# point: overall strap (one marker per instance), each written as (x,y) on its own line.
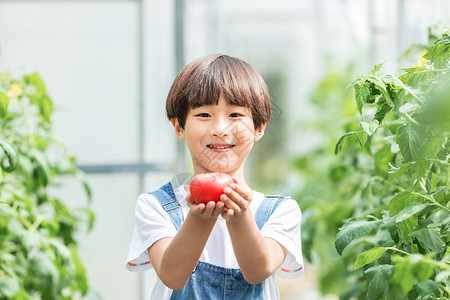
(267,207)
(166,197)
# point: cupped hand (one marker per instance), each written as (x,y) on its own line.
(206,211)
(237,199)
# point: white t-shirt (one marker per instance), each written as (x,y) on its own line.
(153,223)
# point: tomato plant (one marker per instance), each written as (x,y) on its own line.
(38,247)
(397,238)
(206,187)
(357,184)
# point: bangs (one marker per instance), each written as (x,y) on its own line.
(203,81)
(221,76)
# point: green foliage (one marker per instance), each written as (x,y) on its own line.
(327,188)
(376,215)
(38,255)
(399,234)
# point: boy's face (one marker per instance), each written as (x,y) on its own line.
(219,137)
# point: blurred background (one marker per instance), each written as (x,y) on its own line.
(108,66)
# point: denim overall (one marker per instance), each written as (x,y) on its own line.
(209,281)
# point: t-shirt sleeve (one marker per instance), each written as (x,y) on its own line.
(152,224)
(284,226)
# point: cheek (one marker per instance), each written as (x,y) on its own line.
(244,131)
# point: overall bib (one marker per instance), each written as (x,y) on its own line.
(210,281)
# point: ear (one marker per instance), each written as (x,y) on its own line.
(259,132)
(179,131)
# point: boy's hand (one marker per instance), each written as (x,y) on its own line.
(236,199)
(205,211)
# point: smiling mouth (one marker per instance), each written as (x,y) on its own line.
(220,146)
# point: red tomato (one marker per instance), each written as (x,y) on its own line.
(205,187)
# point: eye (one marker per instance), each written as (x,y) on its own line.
(235,115)
(203,115)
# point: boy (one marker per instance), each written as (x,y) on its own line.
(219,105)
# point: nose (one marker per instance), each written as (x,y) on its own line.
(221,128)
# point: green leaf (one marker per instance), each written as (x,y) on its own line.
(381,160)
(432,183)
(423,269)
(429,239)
(46,273)
(432,146)
(353,230)
(378,83)
(439,53)
(405,228)
(405,170)
(362,92)
(409,142)
(377,68)
(410,107)
(46,107)
(36,81)
(388,78)
(414,76)
(9,161)
(443,276)
(4,102)
(369,256)
(383,108)
(41,168)
(403,274)
(371,127)
(423,168)
(341,141)
(90,218)
(81,176)
(426,288)
(80,282)
(8,286)
(410,210)
(362,138)
(400,201)
(378,278)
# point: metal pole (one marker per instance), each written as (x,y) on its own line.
(372,31)
(179,64)
(141,106)
(400,27)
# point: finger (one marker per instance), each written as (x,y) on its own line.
(209,208)
(240,201)
(229,202)
(198,208)
(228,214)
(189,198)
(243,192)
(218,209)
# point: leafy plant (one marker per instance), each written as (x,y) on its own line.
(327,184)
(398,235)
(38,248)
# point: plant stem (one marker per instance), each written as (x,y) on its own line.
(401,189)
(439,161)
(414,95)
(37,223)
(411,119)
(391,124)
(445,289)
(424,259)
(398,250)
(432,200)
